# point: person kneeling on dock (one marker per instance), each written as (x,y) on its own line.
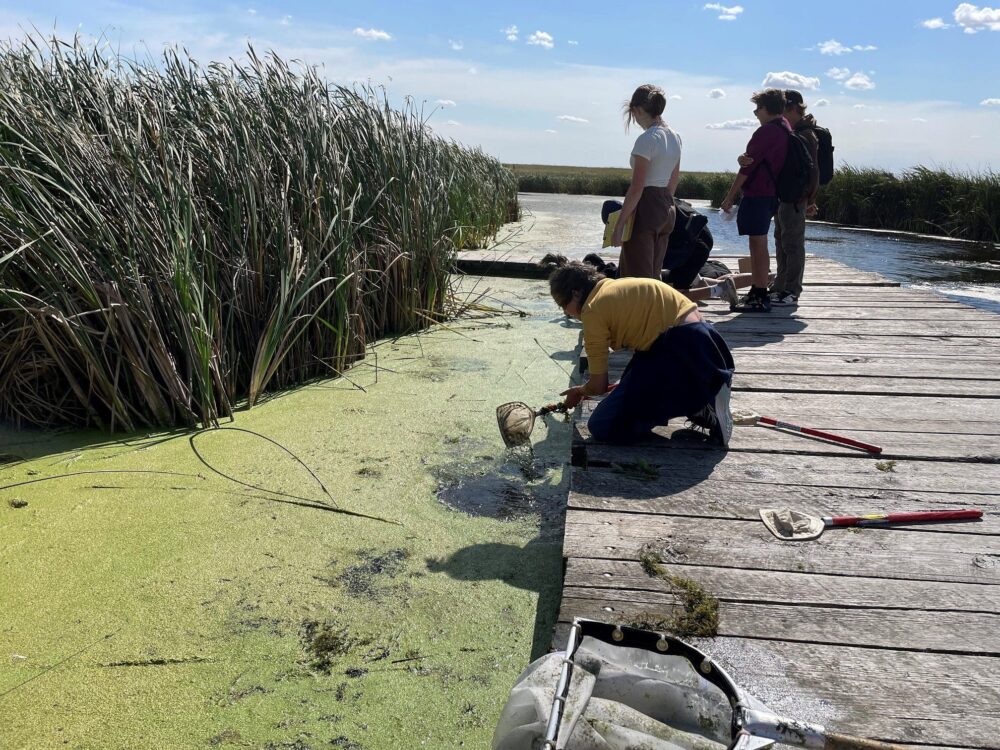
(681,367)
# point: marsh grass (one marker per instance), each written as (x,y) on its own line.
(964,205)
(177,238)
(930,201)
(540,178)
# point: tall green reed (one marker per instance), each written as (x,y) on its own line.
(175,238)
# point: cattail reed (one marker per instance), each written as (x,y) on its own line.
(177,238)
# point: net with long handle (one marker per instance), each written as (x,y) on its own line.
(621,688)
(516,420)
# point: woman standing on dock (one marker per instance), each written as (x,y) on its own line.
(682,367)
(656,162)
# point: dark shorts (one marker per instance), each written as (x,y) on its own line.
(754,216)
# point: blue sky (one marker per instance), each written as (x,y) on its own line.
(898,83)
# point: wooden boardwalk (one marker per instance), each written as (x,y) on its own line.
(888,633)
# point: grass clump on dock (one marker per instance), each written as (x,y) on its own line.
(176,238)
(699,617)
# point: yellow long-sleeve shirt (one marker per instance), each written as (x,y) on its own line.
(628,313)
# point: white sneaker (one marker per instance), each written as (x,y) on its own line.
(724,417)
(784,298)
(727,291)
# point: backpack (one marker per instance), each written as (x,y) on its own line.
(793,179)
(715,269)
(689,226)
(824,154)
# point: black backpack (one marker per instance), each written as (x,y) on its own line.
(689,226)
(824,154)
(793,179)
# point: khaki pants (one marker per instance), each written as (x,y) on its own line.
(643,253)
(790,247)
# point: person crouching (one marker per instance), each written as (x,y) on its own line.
(681,367)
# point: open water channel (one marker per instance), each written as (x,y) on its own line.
(969,272)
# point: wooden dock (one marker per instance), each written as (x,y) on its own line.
(887,633)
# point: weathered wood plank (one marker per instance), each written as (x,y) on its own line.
(682,469)
(900,696)
(872,366)
(861,384)
(761,439)
(858,343)
(916,311)
(762,325)
(624,492)
(941,632)
(732,584)
(877,552)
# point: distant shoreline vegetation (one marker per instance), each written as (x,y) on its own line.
(964,205)
(178,238)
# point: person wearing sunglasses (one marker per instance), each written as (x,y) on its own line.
(759,166)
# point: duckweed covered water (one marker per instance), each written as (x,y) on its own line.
(155,599)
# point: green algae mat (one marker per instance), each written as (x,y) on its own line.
(353,564)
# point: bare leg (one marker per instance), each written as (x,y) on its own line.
(760,263)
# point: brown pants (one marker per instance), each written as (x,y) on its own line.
(643,253)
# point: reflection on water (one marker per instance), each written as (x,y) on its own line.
(571,225)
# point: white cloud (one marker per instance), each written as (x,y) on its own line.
(860,106)
(859,82)
(990,103)
(541,39)
(252,11)
(573,118)
(918,119)
(285,20)
(445,103)
(821,103)
(373,35)
(973,18)
(676,97)
(510,32)
(935,23)
(716,94)
(572,42)
(550,130)
(472,71)
(458,46)
(838,74)
(725,13)
(864,47)
(454,123)
(787,79)
(733,125)
(833,47)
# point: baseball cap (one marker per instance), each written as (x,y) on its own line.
(794,97)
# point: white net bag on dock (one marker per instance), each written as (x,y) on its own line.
(618,698)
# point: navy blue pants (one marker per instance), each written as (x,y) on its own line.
(680,373)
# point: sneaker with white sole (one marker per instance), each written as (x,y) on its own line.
(727,291)
(784,299)
(724,417)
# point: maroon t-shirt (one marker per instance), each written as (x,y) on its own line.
(768,147)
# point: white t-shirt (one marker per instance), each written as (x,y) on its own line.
(662,146)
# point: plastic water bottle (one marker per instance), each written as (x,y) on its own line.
(730,214)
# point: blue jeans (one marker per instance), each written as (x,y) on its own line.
(680,373)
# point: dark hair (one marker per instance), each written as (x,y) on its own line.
(573,277)
(649,98)
(773,100)
(794,99)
